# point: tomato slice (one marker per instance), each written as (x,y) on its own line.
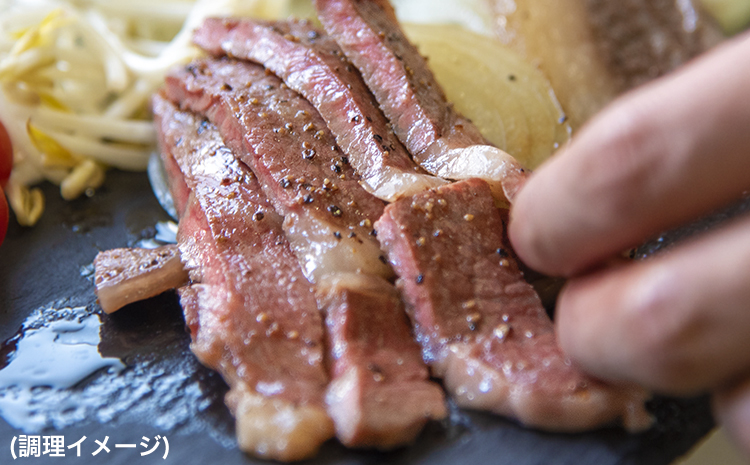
(6,156)
(6,164)
(3,216)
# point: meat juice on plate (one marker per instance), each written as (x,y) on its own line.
(50,354)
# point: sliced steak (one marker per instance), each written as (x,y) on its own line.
(311,63)
(252,314)
(283,139)
(124,276)
(380,394)
(481,326)
(370,36)
(357,423)
(442,141)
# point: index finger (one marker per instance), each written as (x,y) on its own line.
(662,155)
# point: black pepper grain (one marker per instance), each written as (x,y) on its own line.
(335,211)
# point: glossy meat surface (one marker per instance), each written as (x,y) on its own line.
(265,340)
(311,63)
(282,138)
(380,394)
(441,140)
(124,276)
(481,326)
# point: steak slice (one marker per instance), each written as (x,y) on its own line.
(252,314)
(311,63)
(124,276)
(280,136)
(482,327)
(442,141)
(380,394)
(357,422)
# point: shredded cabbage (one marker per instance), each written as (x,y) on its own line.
(75,80)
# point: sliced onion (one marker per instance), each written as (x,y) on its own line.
(510,101)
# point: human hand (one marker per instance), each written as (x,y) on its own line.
(665,154)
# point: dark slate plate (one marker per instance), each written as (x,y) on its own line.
(161,390)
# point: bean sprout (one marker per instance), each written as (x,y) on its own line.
(75,81)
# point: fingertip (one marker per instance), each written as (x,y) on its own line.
(612,324)
(519,231)
(732,409)
(575,326)
(527,227)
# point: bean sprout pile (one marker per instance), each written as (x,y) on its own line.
(75,81)
(76,77)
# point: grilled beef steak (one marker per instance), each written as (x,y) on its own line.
(280,136)
(312,64)
(380,395)
(291,254)
(442,141)
(482,327)
(349,288)
(252,314)
(124,276)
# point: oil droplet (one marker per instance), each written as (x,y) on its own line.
(52,357)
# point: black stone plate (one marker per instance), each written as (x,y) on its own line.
(164,391)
